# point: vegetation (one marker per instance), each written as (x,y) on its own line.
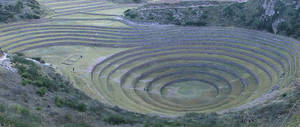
(273,114)
(73,100)
(127,1)
(41,91)
(55,101)
(18,116)
(13,10)
(31,73)
(116,119)
(70,103)
(283,18)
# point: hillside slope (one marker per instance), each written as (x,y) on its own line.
(276,16)
(34,95)
(46,98)
(13,10)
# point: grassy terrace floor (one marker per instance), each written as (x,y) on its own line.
(154,69)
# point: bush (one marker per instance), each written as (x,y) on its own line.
(75,105)
(59,102)
(42,91)
(81,107)
(39,108)
(130,13)
(199,23)
(19,54)
(32,73)
(137,1)
(115,120)
(26,81)
(76,125)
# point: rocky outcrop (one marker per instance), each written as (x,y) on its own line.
(269,6)
(275,25)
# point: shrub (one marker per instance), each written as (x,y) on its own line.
(284,95)
(137,1)
(42,91)
(26,81)
(130,13)
(198,23)
(81,107)
(58,101)
(32,73)
(68,117)
(76,125)
(39,108)
(19,54)
(115,120)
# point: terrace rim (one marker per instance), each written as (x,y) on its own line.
(229,66)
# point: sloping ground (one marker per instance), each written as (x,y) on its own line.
(38,96)
(249,62)
(14,10)
(147,68)
(177,1)
(275,16)
(237,67)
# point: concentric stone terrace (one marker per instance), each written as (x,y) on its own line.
(209,69)
(167,70)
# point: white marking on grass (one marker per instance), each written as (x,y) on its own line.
(116,65)
(146,80)
(155,92)
(122,71)
(117,80)
(103,77)
(135,75)
(172,91)
(140,89)
(127,87)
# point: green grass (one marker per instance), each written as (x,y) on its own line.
(118,94)
(80,78)
(18,116)
(112,93)
(31,74)
(74,104)
(187,97)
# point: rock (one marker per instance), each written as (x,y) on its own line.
(275,25)
(269,6)
(1,53)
